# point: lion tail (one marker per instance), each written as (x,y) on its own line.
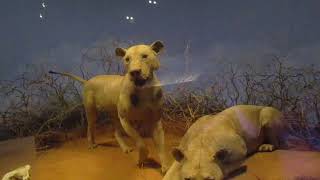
(74,77)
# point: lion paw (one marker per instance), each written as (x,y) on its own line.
(164,169)
(92,146)
(266,148)
(143,156)
(127,150)
(141,164)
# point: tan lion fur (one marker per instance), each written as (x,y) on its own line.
(216,145)
(133,101)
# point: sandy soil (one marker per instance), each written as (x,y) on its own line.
(15,153)
(73,161)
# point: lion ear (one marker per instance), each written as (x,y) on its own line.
(177,154)
(222,155)
(120,52)
(157,46)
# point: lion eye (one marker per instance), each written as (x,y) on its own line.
(144,56)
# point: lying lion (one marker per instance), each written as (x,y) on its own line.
(216,145)
(132,101)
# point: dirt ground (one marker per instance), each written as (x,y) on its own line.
(73,161)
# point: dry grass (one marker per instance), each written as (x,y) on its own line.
(47,106)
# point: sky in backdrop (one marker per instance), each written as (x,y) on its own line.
(239,31)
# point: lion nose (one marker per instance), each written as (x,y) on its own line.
(135,73)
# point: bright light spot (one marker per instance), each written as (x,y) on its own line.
(41,16)
(43,5)
(150,2)
(130,19)
(154,2)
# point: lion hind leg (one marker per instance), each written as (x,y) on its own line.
(272,127)
(266,148)
(91,114)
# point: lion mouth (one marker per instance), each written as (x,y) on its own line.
(140,81)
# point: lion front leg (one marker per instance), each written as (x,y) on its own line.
(142,149)
(173,172)
(118,136)
(158,138)
(123,145)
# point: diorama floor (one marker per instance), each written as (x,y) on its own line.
(74,161)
